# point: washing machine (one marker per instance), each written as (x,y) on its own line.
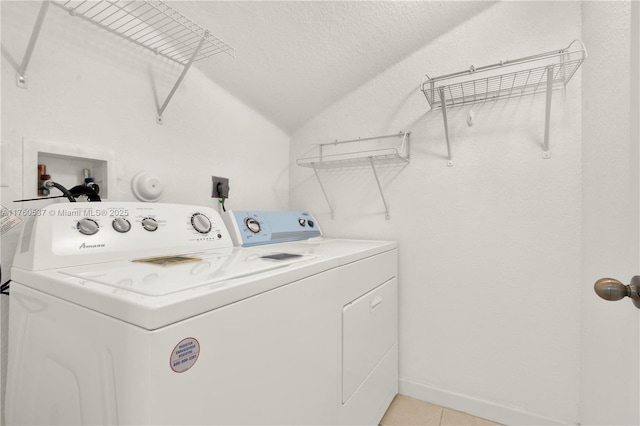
(146,314)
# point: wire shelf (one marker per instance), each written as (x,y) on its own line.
(151,24)
(368,154)
(389,156)
(397,154)
(505,79)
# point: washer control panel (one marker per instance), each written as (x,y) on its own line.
(250,228)
(69,234)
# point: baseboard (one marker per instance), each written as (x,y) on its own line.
(474,406)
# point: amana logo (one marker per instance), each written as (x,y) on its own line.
(90,246)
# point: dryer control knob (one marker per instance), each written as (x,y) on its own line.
(149,224)
(87,226)
(201,223)
(121,224)
(252,224)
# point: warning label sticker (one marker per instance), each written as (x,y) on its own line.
(8,219)
(185,355)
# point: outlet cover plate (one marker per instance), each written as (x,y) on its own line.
(220,187)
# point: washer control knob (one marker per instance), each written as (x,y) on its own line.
(149,224)
(201,223)
(252,224)
(121,224)
(87,226)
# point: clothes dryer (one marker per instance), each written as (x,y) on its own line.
(365,274)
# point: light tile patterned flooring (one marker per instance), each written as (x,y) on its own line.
(406,411)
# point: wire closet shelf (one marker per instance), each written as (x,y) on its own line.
(391,155)
(367,154)
(151,24)
(510,78)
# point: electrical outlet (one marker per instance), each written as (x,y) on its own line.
(220,187)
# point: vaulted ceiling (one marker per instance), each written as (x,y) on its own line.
(296,58)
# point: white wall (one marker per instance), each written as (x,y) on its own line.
(88,88)
(490,249)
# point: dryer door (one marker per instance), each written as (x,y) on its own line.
(369,327)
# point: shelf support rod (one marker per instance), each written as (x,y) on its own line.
(315,170)
(21,78)
(395,135)
(443,104)
(175,86)
(384,201)
(405,142)
(547,113)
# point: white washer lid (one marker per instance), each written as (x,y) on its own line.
(176,294)
(179,273)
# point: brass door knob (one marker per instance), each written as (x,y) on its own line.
(612,289)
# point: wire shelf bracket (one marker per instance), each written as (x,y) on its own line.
(177,83)
(22,80)
(372,157)
(541,73)
(150,24)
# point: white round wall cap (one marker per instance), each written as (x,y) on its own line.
(146,187)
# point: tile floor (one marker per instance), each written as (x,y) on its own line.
(406,411)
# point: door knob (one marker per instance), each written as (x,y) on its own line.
(610,289)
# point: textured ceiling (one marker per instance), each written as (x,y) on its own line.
(295,58)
